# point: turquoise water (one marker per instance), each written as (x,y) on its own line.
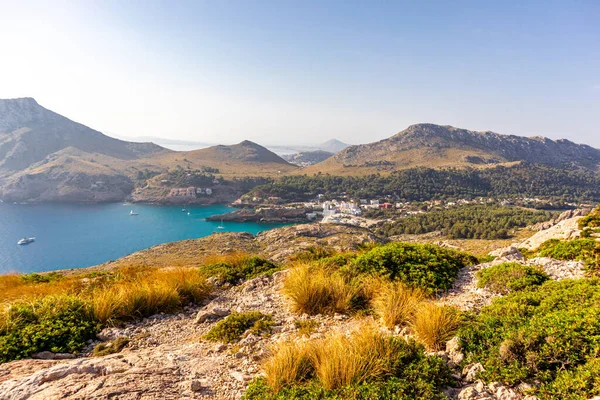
(75,236)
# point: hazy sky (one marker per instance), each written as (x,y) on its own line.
(305,71)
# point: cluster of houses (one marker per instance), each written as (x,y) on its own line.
(190,192)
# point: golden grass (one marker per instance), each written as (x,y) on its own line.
(340,360)
(141,295)
(396,304)
(336,361)
(317,290)
(289,362)
(434,325)
(13,287)
(125,293)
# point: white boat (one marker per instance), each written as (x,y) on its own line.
(183,210)
(26,241)
(133,213)
(221,226)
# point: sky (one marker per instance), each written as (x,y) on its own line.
(303,71)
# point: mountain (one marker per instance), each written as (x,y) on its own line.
(307,158)
(245,158)
(29,133)
(332,146)
(47,157)
(446,146)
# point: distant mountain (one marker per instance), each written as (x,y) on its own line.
(332,146)
(243,158)
(307,158)
(29,133)
(446,146)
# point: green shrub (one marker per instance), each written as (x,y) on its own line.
(249,268)
(60,324)
(509,277)
(592,220)
(538,334)
(576,249)
(578,384)
(41,278)
(236,324)
(306,326)
(425,266)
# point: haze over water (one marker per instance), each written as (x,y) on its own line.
(76,236)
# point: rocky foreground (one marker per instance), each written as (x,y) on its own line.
(167,357)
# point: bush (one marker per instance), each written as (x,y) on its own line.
(431,268)
(306,326)
(537,334)
(41,278)
(239,268)
(567,250)
(236,324)
(60,324)
(368,364)
(397,304)
(434,325)
(103,349)
(509,277)
(577,384)
(317,290)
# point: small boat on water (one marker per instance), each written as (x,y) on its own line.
(183,210)
(26,241)
(221,226)
(133,213)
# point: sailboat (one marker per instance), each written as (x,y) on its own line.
(133,212)
(221,226)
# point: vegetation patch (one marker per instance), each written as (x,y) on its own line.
(315,289)
(236,268)
(424,266)
(366,365)
(61,313)
(509,277)
(549,334)
(237,324)
(468,222)
(306,326)
(586,250)
(104,349)
(61,324)
(396,304)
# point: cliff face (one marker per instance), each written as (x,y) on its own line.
(432,145)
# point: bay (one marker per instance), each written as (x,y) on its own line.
(76,236)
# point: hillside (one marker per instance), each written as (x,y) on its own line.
(242,159)
(29,133)
(445,146)
(47,157)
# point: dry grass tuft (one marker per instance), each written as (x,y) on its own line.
(434,325)
(290,362)
(317,290)
(336,361)
(396,303)
(190,283)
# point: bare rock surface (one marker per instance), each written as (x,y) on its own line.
(565,229)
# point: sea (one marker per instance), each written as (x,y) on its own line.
(76,236)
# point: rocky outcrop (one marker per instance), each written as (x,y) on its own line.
(264,214)
(564,229)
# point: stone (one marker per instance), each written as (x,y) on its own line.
(196,386)
(470,371)
(211,313)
